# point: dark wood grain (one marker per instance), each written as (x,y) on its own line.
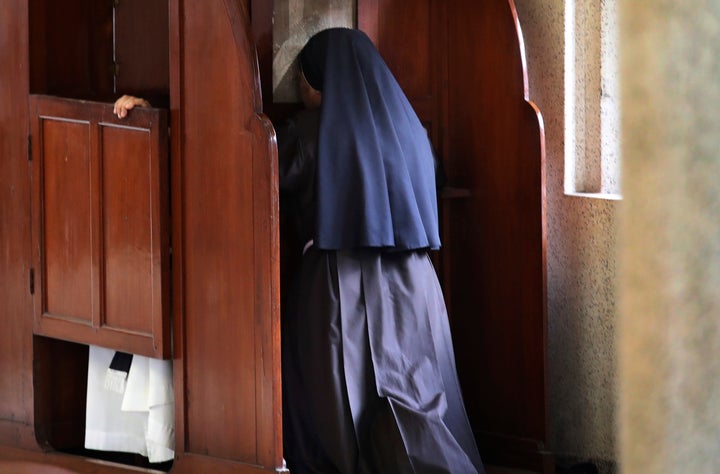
(63,190)
(497,267)
(409,40)
(71,48)
(141,48)
(100,233)
(16,365)
(60,392)
(225,216)
(464,73)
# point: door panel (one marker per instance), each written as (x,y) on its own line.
(127,219)
(100,208)
(67,219)
(71,48)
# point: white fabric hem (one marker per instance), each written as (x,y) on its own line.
(120,442)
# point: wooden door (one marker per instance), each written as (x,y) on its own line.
(462,65)
(101,225)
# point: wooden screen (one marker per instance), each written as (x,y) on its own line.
(497,237)
(226,258)
(100,227)
(462,66)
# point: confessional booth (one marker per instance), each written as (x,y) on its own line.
(160,234)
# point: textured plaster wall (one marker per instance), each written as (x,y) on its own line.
(294,21)
(581,257)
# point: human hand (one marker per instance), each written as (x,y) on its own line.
(126,103)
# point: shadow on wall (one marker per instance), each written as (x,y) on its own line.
(577,468)
(565,464)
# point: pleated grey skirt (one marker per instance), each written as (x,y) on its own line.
(369,377)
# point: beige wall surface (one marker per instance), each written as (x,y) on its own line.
(669,331)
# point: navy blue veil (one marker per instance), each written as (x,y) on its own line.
(375,166)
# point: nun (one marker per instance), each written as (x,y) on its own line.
(369,377)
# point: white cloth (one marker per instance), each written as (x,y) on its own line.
(140,420)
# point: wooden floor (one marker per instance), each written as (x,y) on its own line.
(34,468)
(25,467)
(15,461)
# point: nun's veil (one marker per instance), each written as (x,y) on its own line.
(375,173)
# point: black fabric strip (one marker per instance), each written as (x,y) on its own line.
(121,361)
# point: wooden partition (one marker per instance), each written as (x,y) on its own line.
(85,261)
(225,234)
(497,236)
(462,65)
(16,305)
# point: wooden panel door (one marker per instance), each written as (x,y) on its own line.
(100,225)
(462,65)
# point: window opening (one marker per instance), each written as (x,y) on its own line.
(592,117)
